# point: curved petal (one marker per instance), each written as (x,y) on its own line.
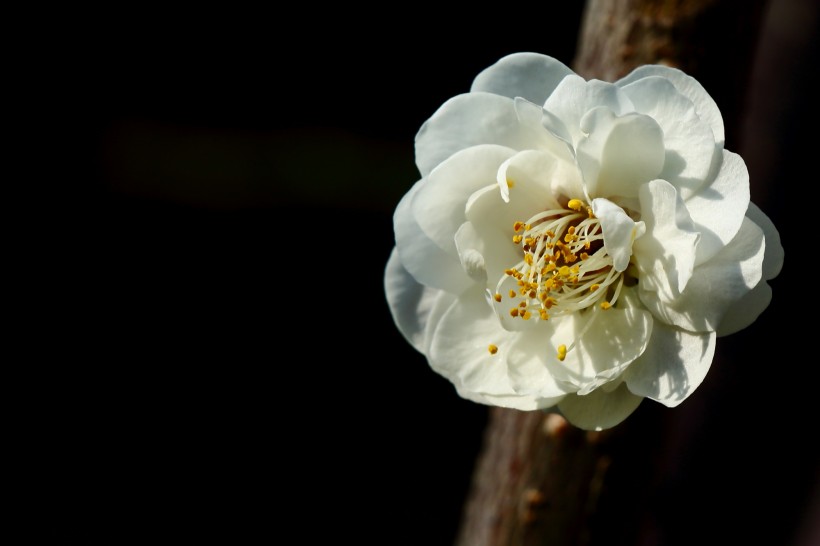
(706,107)
(665,255)
(439,204)
(476,118)
(620,153)
(471,250)
(574,97)
(620,232)
(689,141)
(718,208)
(532,76)
(410,302)
(746,310)
(538,176)
(524,188)
(773,258)
(600,346)
(673,365)
(599,410)
(716,285)
(527,366)
(421,257)
(459,346)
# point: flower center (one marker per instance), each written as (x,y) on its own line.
(565,267)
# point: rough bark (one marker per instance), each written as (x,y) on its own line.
(539,480)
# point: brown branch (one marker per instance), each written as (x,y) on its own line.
(540,481)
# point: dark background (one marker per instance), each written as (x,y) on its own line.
(218,360)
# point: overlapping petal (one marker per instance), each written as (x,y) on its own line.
(705,106)
(528,75)
(619,153)
(428,263)
(673,366)
(714,286)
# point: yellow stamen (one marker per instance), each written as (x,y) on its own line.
(562,352)
(492,348)
(514,312)
(575,204)
(497,297)
(605,305)
(517,226)
(512,293)
(510,183)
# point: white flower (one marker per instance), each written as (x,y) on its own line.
(575,243)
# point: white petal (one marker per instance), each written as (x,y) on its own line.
(528,363)
(716,285)
(532,173)
(410,302)
(605,343)
(529,75)
(746,310)
(704,104)
(439,205)
(421,257)
(620,231)
(471,119)
(599,410)
(773,259)
(574,97)
(538,176)
(718,208)
(620,153)
(485,255)
(673,365)
(688,140)
(665,255)
(459,347)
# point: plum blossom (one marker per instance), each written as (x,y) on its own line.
(577,246)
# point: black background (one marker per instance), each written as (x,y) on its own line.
(213,356)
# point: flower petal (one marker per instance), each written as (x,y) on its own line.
(411,304)
(665,255)
(673,365)
(689,141)
(529,75)
(620,231)
(539,176)
(459,347)
(574,97)
(471,119)
(532,174)
(620,153)
(439,204)
(715,286)
(422,258)
(605,343)
(773,258)
(746,310)
(599,410)
(718,208)
(704,104)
